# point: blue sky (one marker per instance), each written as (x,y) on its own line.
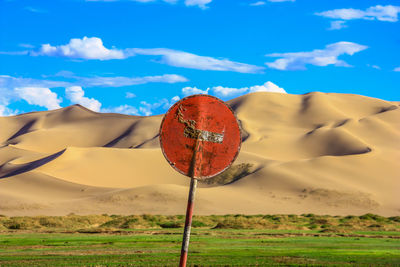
(139,57)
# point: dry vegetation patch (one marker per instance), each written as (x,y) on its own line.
(107,223)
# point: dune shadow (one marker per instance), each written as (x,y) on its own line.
(147,141)
(123,135)
(385,109)
(33,165)
(232,174)
(25,129)
(244,134)
(305,102)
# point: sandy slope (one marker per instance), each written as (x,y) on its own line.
(319,153)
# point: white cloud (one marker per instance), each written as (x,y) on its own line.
(6,95)
(267,87)
(40,96)
(123,109)
(175,99)
(7,81)
(259,3)
(200,3)
(37,92)
(5,111)
(127,81)
(144,109)
(93,48)
(381,13)
(86,48)
(318,57)
(147,109)
(130,95)
(397,69)
(374,66)
(228,91)
(337,25)
(77,96)
(14,53)
(187,60)
(193,91)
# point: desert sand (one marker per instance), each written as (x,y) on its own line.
(320,153)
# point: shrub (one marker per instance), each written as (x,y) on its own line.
(171,225)
(230,175)
(370,216)
(313,226)
(198,224)
(394,218)
(320,221)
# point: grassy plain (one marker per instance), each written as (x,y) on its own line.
(231,240)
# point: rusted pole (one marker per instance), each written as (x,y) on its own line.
(195,171)
(188,223)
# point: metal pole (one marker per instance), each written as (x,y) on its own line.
(188,223)
(189,210)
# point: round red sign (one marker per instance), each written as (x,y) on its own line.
(200,136)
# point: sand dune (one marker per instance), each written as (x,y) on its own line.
(319,153)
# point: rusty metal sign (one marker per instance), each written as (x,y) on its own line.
(200,137)
(203,126)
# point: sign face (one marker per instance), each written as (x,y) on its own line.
(200,136)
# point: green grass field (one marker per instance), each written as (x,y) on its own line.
(216,241)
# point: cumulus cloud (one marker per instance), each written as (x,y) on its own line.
(5,111)
(200,3)
(175,99)
(77,96)
(86,48)
(187,60)
(228,91)
(337,25)
(123,109)
(222,91)
(267,87)
(319,57)
(147,109)
(194,91)
(92,48)
(5,97)
(382,13)
(37,91)
(34,92)
(40,96)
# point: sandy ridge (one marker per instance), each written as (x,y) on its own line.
(320,153)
